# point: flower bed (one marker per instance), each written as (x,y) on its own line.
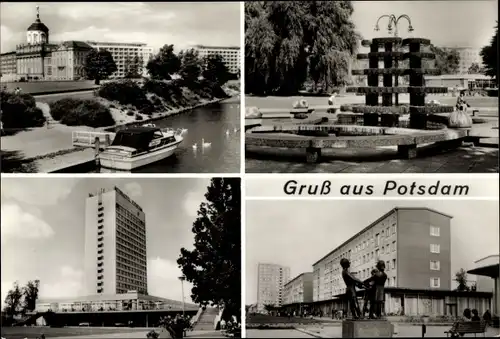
(423,55)
(400,109)
(421,41)
(390,90)
(395,71)
(382,41)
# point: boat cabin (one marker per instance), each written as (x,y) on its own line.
(142,138)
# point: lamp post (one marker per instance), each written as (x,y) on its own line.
(395,21)
(182,278)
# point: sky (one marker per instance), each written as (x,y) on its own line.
(155,23)
(445,23)
(42,230)
(297,233)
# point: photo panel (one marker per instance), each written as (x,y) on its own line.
(370,266)
(371,87)
(141,87)
(108,257)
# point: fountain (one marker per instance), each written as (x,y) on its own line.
(376,122)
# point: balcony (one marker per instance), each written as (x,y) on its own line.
(100,209)
(100,276)
(100,239)
(100,257)
(101,270)
(99,264)
(100,233)
(100,215)
(100,251)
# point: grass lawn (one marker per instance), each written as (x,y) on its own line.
(49,332)
(49,86)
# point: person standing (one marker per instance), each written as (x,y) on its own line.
(351,282)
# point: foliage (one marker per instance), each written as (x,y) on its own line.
(475,69)
(133,67)
(461,279)
(490,56)
(216,70)
(214,265)
(13,301)
(99,65)
(77,112)
(20,111)
(288,42)
(30,292)
(190,66)
(447,61)
(125,92)
(165,64)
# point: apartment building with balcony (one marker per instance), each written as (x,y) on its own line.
(299,290)
(270,286)
(230,54)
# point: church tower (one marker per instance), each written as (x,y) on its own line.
(37,33)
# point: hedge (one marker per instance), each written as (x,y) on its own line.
(389,90)
(19,111)
(421,41)
(395,71)
(78,112)
(400,109)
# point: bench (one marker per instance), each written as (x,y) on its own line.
(467,327)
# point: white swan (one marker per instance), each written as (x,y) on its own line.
(236,130)
(205,144)
(195,146)
(184,130)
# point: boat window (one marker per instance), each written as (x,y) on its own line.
(158,134)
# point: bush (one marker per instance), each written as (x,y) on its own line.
(130,113)
(76,112)
(126,92)
(20,111)
(139,117)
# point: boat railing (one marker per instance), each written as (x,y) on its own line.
(88,138)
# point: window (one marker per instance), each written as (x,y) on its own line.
(435,282)
(435,265)
(387,233)
(376,254)
(393,246)
(435,248)
(377,239)
(434,231)
(394,281)
(393,264)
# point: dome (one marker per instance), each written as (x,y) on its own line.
(38,26)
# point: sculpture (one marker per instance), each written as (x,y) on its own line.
(351,283)
(378,279)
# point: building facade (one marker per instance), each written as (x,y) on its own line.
(299,290)
(126,54)
(37,59)
(230,55)
(115,244)
(270,287)
(468,56)
(414,243)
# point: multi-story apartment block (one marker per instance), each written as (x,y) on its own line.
(271,282)
(299,289)
(8,66)
(414,243)
(115,244)
(230,55)
(468,56)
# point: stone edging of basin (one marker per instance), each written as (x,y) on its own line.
(162,116)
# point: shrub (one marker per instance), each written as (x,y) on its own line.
(20,111)
(126,92)
(130,113)
(139,117)
(76,112)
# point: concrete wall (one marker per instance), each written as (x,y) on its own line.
(413,246)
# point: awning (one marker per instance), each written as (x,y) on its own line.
(488,271)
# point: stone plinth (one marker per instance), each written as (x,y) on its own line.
(367,329)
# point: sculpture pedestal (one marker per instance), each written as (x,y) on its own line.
(367,328)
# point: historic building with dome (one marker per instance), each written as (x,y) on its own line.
(38,59)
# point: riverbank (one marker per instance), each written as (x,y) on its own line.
(49,148)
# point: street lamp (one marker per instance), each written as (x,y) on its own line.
(395,21)
(182,278)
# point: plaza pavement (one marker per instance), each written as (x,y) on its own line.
(138,334)
(335,331)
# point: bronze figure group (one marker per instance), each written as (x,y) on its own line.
(374,290)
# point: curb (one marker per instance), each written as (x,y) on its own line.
(62,91)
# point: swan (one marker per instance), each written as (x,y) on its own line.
(195,146)
(205,144)
(236,130)
(184,130)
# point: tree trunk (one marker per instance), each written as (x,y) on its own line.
(97,81)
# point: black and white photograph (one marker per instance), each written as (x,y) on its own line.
(372,268)
(147,87)
(121,258)
(371,86)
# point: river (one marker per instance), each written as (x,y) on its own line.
(218,124)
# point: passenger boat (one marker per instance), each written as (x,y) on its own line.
(135,147)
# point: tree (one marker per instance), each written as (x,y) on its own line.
(133,67)
(447,60)
(190,65)
(288,42)
(475,69)
(490,56)
(165,64)
(461,279)
(13,301)
(214,265)
(30,293)
(216,70)
(99,65)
